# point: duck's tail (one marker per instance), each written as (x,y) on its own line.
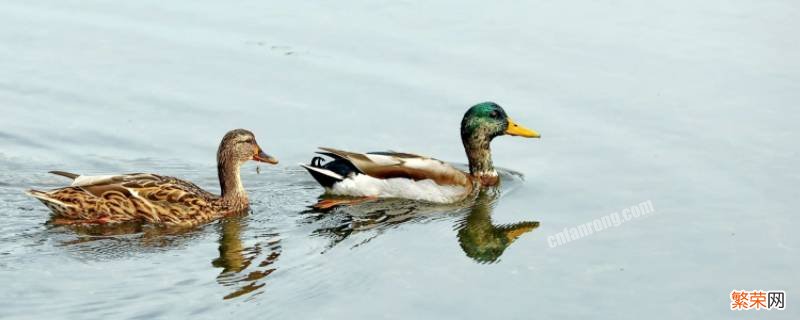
(57,206)
(37,194)
(325,177)
(66,174)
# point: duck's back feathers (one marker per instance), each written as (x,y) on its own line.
(131,197)
(389,174)
(388,164)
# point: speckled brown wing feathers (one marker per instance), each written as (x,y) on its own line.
(134,197)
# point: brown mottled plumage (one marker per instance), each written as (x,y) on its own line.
(155,199)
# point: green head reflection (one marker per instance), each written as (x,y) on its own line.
(483,241)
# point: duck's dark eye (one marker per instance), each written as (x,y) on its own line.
(494,114)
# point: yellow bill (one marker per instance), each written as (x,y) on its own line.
(515,129)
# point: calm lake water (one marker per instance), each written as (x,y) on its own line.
(692,106)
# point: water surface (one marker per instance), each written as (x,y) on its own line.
(689,105)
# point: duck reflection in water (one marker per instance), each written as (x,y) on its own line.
(483,241)
(479,238)
(236,260)
(118,240)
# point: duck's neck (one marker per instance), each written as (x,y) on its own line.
(479,153)
(230,181)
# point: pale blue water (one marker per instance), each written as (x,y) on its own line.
(689,105)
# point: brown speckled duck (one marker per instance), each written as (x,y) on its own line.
(155,199)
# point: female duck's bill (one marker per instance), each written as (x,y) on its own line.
(410,176)
(263,157)
(155,199)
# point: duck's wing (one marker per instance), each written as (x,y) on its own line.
(387,165)
(118,198)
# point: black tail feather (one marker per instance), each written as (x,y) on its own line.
(339,166)
(317,162)
(323,179)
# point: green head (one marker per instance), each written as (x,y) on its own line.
(482,123)
(488,120)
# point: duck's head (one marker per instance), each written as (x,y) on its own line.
(488,120)
(482,123)
(239,146)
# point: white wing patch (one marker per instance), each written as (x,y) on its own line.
(91,180)
(431,165)
(362,185)
(383,160)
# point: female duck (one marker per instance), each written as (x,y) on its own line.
(155,199)
(409,176)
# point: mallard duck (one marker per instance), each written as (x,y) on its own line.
(410,176)
(155,199)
